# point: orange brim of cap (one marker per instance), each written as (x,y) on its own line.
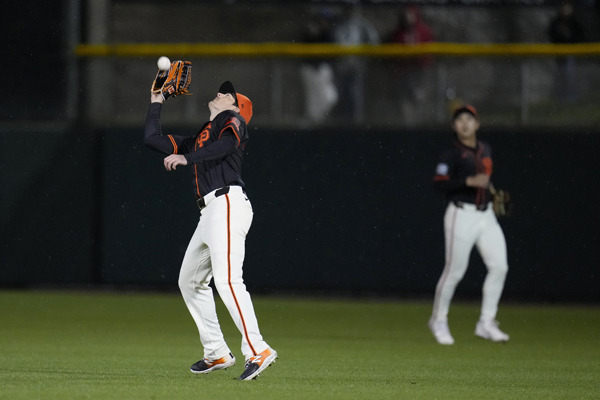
(245,106)
(465,108)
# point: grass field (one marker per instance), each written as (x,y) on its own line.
(79,345)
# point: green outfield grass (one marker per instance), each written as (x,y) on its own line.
(79,345)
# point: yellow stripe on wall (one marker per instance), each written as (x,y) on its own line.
(249,50)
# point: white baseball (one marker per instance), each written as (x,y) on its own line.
(164,63)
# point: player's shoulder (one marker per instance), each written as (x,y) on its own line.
(453,147)
(485,146)
(229,114)
(230,117)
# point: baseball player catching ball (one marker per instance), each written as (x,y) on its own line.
(463,174)
(216,249)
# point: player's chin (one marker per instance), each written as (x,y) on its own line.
(213,106)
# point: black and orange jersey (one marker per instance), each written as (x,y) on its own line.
(214,154)
(456,164)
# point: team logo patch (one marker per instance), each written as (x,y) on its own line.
(234,121)
(441,169)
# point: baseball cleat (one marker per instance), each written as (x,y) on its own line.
(205,365)
(256,364)
(440,331)
(489,330)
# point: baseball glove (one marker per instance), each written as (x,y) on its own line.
(174,81)
(501,201)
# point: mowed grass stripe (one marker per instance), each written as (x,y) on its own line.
(90,345)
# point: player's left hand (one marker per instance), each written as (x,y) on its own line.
(171,162)
(156,98)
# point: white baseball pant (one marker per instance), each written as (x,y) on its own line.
(465,227)
(216,251)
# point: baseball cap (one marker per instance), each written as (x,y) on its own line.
(241,101)
(245,106)
(464,108)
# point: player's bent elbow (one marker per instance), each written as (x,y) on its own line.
(154,144)
(150,143)
(184,285)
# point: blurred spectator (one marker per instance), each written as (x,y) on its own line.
(320,92)
(354,29)
(411,28)
(414,84)
(565,28)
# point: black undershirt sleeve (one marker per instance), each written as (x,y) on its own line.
(153,137)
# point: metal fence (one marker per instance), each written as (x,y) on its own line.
(376,86)
(96,66)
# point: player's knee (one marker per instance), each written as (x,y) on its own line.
(503,269)
(498,270)
(225,285)
(223,288)
(184,284)
(454,278)
(221,283)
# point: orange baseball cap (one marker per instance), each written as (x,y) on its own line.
(242,102)
(245,106)
(464,108)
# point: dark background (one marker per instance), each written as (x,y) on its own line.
(348,211)
(335,212)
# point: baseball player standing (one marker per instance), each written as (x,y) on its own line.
(216,249)
(463,174)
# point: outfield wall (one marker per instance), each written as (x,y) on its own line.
(335,211)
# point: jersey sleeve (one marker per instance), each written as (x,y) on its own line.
(232,125)
(153,135)
(445,180)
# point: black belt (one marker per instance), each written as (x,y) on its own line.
(460,204)
(219,192)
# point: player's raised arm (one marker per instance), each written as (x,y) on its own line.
(172,79)
(153,136)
